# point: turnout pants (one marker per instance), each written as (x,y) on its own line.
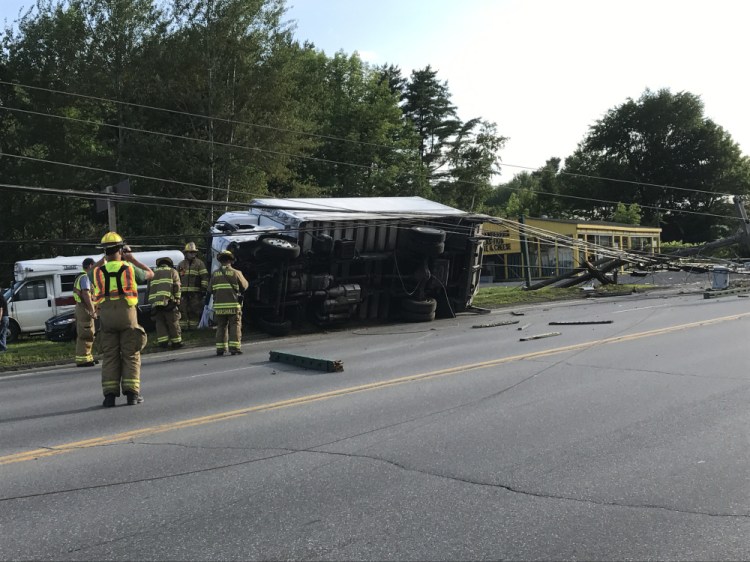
(84,335)
(191,307)
(231,323)
(122,340)
(167,325)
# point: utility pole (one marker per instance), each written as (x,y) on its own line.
(525,250)
(105,203)
(111,211)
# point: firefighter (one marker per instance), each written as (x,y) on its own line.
(85,316)
(121,337)
(164,298)
(227,286)
(194,280)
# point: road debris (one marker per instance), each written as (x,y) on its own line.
(540,336)
(494,324)
(580,322)
(524,327)
(739,291)
(514,313)
(307,362)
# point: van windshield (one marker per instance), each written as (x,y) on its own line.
(8,292)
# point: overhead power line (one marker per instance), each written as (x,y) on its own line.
(196,115)
(224,202)
(180,137)
(354,141)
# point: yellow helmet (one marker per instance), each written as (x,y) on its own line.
(225,255)
(190,247)
(111,240)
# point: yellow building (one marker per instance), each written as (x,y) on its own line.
(503,258)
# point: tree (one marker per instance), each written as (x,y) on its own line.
(428,107)
(472,162)
(530,193)
(627,215)
(674,162)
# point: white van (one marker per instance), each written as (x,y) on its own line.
(43,288)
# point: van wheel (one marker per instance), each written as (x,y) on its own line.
(14,332)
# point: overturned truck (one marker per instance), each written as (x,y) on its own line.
(335,260)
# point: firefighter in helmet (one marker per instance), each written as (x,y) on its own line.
(85,316)
(121,337)
(194,280)
(164,297)
(227,287)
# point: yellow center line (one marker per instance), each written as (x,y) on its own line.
(192,422)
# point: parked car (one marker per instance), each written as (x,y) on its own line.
(62,328)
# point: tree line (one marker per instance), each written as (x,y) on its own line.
(217,100)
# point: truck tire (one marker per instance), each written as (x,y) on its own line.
(277,249)
(409,316)
(425,307)
(14,332)
(426,235)
(423,241)
(426,249)
(273,327)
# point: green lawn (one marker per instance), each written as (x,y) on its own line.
(37,350)
(494,297)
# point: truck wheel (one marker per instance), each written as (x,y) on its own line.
(274,328)
(278,249)
(425,307)
(14,332)
(425,241)
(426,235)
(426,249)
(409,316)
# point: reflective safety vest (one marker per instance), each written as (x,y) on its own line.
(115,280)
(225,288)
(164,286)
(77,287)
(193,276)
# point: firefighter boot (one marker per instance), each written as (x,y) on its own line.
(109,400)
(134,397)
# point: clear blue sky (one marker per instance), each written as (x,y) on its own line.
(545,70)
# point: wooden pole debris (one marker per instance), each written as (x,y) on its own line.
(580,323)
(503,323)
(540,336)
(524,326)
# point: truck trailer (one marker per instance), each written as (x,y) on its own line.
(337,260)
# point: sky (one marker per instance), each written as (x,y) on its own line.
(544,71)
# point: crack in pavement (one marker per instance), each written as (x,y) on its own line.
(541,495)
(656,372)
(464,480)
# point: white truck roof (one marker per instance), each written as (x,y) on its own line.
(73,264)
(353,208)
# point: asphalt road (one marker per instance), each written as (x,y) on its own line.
(439,441)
